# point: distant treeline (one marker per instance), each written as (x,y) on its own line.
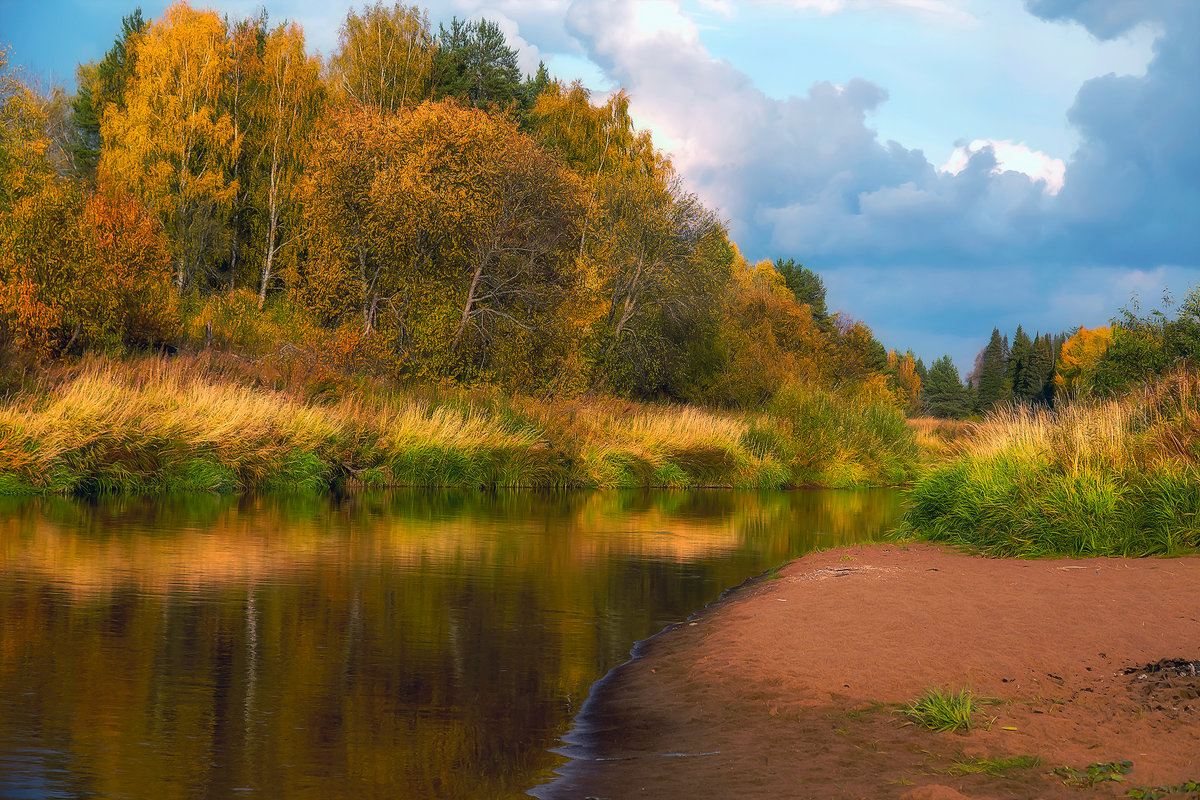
(1134,350)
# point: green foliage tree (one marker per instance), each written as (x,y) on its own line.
(992,386)
(945,396)
(808,288)
(473,62)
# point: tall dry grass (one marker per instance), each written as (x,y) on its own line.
(1120,477)
(156,424)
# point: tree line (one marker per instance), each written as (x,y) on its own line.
(434,212)
(1134,349)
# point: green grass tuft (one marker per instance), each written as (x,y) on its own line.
(942,710)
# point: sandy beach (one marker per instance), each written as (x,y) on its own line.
(789,686)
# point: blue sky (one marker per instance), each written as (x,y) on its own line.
(946,165)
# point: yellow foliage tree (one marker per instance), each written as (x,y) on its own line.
(1078,358)
(770,339)
(24,166)
(173,144)
(291,101)
(385,57)
(448,231)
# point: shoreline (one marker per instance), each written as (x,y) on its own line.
(788,687)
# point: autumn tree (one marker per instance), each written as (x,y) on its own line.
(24,163)
(594,140)
(173,144)
(291,101)
(1078,359)
(103,84)
(905,381)
(384,57)
(767,337)
(807,287)
(79,269)
(660,261)
(449,231)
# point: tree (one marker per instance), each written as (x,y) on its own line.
(661,260)
(102,85)
(1078,359)
(474,62)
(992,388)
(449,231)
(906,382)
(767,337)
(944,393)
(24,165)
(81,269)
(291,101)
(1018,368)
(808,288)
(173,144)
(384,57)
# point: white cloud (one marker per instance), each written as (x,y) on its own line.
(1014,157)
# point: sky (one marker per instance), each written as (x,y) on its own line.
(946,166)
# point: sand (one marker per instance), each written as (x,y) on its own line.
(788,687)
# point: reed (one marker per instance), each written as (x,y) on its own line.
(201,423)
(1114,478)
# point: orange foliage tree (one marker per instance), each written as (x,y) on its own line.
(82,270)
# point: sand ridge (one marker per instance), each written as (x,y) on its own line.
(787,688)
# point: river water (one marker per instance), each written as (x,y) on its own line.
(407,644)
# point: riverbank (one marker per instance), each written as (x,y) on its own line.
(789,687)
(224,424)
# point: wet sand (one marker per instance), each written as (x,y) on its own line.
(788,687)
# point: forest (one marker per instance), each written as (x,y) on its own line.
(226,264)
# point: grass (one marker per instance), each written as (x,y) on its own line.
(942,710)
(994,767)
(227,424)
(1092,774)
(1114,478)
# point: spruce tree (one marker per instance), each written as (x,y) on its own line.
(944,393)
(1019,365)
(991,375)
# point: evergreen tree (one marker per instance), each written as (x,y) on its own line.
(808,288)
(474,62)
(944,393)
(991,376)
(1019,364)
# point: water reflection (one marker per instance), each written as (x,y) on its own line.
(402,644)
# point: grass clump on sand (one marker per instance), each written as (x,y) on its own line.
(1114,478)
(942,710)
(994,767)
(189,424)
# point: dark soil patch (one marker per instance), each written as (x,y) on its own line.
(1171,684)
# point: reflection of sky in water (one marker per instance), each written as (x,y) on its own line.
(405,644)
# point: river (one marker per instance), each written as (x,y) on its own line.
(404,644)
